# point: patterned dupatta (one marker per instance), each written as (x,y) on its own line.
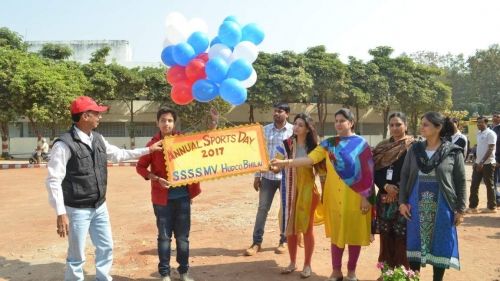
(353,161)
(288,187)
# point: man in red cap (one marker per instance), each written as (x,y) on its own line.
(77,184)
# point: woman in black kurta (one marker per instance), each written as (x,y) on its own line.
(389,157)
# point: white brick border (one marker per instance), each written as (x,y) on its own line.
(23,166)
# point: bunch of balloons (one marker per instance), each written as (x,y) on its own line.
(201,69)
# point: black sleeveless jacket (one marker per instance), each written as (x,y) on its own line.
(84,185)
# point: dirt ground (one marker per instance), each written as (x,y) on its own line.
(222,224)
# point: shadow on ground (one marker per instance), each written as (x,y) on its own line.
(482,220)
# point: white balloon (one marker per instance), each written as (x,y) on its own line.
(175,18)
(250,80)
(219,50)
(246,50)
(231,58)
(197,24)
(175,34)
(167,43)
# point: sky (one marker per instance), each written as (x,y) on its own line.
(346,27)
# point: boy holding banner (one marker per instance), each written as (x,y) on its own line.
(172,206)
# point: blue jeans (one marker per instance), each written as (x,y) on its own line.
(266,196)
(174,217)
(96,222)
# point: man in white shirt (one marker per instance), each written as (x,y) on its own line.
(267,183)
(42,148)
(496,129)
(77,183)
(484,167)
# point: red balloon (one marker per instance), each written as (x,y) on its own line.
(176,74)
(203,56)
(181,93)
(195,70)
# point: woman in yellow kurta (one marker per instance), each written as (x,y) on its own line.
(348,187)
(300,196)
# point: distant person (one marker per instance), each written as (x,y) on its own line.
(483,168)
(458,138)
(42,149)
(77,184)
(267,183)
(496,129)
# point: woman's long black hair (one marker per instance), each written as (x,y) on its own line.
(312,136)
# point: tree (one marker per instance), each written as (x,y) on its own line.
(259,95)
(419,89)
(281,78)
(100,55)
(129,87)
(195,116)
(357,94)
(288,79)
(485,76)
(12,51)
(156,87)
(381,83)
(329,81)
(10,39)
(55,51)
(102,81)
(9,61)
(44,89)
(101,78)
(456,74)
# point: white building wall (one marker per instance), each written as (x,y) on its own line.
(121,52)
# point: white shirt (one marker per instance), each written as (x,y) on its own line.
(484,139)
(43,145)
(458,136)
(60,156)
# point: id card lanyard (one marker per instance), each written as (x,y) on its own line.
(388,175)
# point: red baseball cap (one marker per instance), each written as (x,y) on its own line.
(83,103)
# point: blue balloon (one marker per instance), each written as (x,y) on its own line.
(240,69)
(199,41)
(216,69)
(232,18)
(229,33)
(233,92)
(167,56)
(205,90)
(253,33)
(183,53)
(216,40)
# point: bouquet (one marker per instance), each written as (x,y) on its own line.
(397,274)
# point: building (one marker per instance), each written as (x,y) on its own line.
(114,124)
(121,52)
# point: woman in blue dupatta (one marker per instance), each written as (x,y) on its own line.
(348,186)
(432,197)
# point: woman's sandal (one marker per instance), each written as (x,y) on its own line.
(306,272)
(289,269)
